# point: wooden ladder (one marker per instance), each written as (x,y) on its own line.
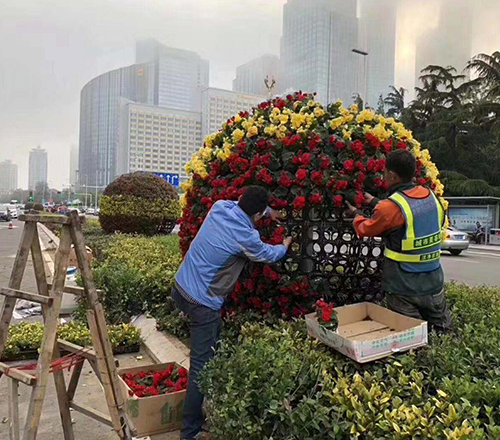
(49,296)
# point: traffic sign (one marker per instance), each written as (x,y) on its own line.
(171,178)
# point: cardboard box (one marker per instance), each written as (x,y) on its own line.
(368,332)
(155,414)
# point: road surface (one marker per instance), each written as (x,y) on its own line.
(474,267)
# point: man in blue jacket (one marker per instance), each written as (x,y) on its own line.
(213,263)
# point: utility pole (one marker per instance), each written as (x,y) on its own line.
(86,184)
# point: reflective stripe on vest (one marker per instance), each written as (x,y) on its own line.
(421,244)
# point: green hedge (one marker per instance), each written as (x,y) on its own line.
(136,275)
(277,383)
(26,337)
(139,203)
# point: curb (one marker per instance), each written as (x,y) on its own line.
(487,248)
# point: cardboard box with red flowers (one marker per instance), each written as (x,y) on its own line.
(154,396)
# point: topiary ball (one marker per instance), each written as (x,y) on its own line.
(139,203)
(312,160)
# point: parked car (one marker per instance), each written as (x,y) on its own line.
(5,213)
(13,211)
(456,241)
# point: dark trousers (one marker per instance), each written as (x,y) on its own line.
(431,308)
(205,330)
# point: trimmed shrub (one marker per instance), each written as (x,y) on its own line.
(139,203)
(136,275)
(277,383)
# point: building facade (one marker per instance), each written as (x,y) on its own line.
(316,48)
(218,105)
(8,177)
(439,46)
(377,37)
(179,75)
(73,164)
(156,139)
(250,76)
(38,167)
(99,114)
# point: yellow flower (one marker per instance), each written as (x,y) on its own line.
(238,135)
(348,118)
(280,134)
(283,119)
(253,131)
(209,140)
(270,130)
(225,152)
(301,130)
(298,119)
(401,131)
(346,134)
(344,111)
(183,201)
(381,133)
(206,153)
(187,185)
(311,103)
(354,108)
(309,119)
(237,118)
(365,115)
(319,112)
(336,123)
(339,103)
(261,121)
(276,111)
(381,120)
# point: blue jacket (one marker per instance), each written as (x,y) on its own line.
(218,254)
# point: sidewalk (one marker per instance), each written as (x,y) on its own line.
(485,247)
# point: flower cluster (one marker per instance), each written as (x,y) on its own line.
(308,157)
(326,315)
(154,383)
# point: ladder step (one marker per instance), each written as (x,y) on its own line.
(60,219)
(73,290)
(19,294)
(87,353)
(92,413)
(19,375)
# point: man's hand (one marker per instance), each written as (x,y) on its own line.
(275,215)
(350,208)
(368,198)
(287,242)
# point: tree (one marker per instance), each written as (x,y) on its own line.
(488,69)
(381,105)
(395,101)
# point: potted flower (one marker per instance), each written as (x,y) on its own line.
(326,315)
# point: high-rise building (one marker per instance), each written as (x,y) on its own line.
(156,139)
(178,75)
(316,48)
(439,46)
(38,167)
(218,105)
(73,164)
(250,76)
(377,37)
(8,177)
(99,113)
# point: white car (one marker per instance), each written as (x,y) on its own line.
(13,211)
(456,241)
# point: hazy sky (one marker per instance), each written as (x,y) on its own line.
(49,49)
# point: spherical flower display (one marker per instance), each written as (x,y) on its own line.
(311,159)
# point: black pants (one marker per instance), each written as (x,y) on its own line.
(205,331)
(431,308)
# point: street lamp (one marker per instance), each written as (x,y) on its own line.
(86,184)
(365,57)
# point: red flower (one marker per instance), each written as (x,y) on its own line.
(349,166)
(380,164)
(338,201)
(301,174)
(360,166)
(341,185)
(265,176)
(358,148)
(261,144)
(314,142)
(241,146)
(249,285)
(401,146)
(266,159)
(305,159)
(380,183)
(182,372)
(325,162)
(316,199)
(270,274)
(169,384)
(372,165)
(421,181)
(277,203)
(373,140)
(151,391)
(285,180)
(339,145)
(280,103)
(299,202)
(317,178)
(388,146)
(359,199)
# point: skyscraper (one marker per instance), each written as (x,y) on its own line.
(179,75)
(156,139)
(218,105)
(99,112)
(439,46)
(8,177)
(250,76)
(37,167)
(377,37)
(316,48)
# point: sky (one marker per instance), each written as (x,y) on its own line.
(49,49)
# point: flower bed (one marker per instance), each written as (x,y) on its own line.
(312,159)
(276,382)
(25,338)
